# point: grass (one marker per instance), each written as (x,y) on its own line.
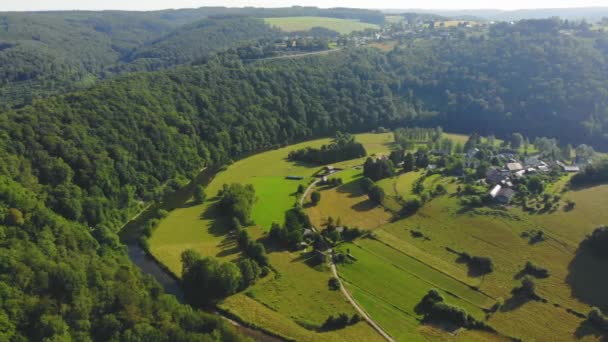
(298,296)
(260,315)
(379,276)
(350,204)
(575,283)
(297,24)
(393,272)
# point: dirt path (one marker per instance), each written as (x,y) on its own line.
(334,270)
(323,52)
(358,308)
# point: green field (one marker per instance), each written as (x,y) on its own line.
(297,296)
(378,279)
(496,233)
(342,26)
(394,270)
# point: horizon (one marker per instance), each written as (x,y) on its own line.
(431,5)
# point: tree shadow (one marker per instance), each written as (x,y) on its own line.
(353,189)
(588,279)
(365,205)
(587,329)
(515,302)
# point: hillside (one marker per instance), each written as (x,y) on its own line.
(75,167)
(46,53)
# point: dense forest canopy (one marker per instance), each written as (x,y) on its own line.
(74,167)
(538,77)
(45,53)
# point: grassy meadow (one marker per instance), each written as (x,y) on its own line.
(394,268)
(296,298)
(575,283)
(297,24)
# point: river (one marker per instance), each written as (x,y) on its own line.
(132,230)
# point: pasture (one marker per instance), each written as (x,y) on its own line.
(350,204)
(395,268)
(575,283)
(299,24)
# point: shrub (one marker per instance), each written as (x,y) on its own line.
(376,194)
(535,270)
(315,197)
(199,194)
(334,284)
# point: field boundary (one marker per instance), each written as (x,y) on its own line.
(354,303)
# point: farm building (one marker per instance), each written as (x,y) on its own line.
(495,176)
(502,194)
(514,167)
(570,168)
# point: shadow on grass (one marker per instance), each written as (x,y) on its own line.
(587,329)
(588,279)
(365,205)
(515,302)
(353,189)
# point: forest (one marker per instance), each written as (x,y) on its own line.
(46,53)
(75,167)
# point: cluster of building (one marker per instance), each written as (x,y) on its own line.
(501,179)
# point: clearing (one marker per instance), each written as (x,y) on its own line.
(298,24)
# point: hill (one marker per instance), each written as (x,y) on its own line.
(46,53)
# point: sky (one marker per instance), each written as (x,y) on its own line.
(35,5)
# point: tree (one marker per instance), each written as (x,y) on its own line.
(535,185)
(250,272)
(409,162)
(315,197)
(206,280)
(334,284)
(15,217)
(366,184)
(516,141)
(237,201)
(199,194)
(376,195)
(301,189)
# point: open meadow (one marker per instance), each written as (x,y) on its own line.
(299,24)
(402,259)
(296,298)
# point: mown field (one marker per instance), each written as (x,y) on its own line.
(296,298)
(393,269)
(342,26)
(575,283)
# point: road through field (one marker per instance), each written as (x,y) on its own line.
(334,270)
(358,308)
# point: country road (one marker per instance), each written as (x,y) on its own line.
(358,308)
(292,56)
(334,270)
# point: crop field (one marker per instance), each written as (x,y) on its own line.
(297,24)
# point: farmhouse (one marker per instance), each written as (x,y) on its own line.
(472,153)
(502,194)
(514,167)
(495,176)
(570,168)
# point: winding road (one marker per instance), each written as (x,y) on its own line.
(358,308)
(345,292)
